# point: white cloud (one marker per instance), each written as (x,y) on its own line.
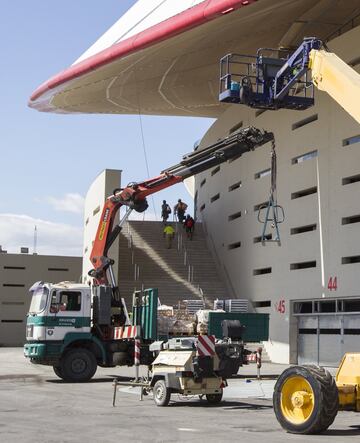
(70,202)
(52,238)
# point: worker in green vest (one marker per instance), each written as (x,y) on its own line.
(169,233)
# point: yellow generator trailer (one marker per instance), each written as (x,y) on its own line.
(196,365)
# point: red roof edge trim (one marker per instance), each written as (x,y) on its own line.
(190,18)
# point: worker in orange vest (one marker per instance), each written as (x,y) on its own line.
(179,210)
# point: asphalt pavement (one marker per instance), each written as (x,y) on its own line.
(37,407)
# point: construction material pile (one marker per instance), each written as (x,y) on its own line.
(175,321)
(179,321)
(202,320)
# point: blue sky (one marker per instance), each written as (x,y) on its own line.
(49,160)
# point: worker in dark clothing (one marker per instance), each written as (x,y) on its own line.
(165,211)
(180,209)
(189,224)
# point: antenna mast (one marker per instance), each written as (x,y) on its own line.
(35,240)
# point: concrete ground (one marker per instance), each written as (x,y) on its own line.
(35,406)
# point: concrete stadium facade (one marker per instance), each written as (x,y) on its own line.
(101,188)
(318,154)
(18,272)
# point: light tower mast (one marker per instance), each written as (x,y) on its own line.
(35,240)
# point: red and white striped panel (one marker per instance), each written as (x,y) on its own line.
(126,332)
(205,345)
(137,352)
(251,357)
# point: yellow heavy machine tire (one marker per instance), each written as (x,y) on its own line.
(305,399)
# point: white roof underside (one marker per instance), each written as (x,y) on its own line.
(143,15)
(162,56)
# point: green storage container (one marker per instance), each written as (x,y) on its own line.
(145,312)
(257,325)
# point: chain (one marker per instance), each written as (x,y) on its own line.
(273,169)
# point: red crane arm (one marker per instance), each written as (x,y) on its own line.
(133,196)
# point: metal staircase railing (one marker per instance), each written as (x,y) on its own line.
(181,247)
(225,272)
(186,257)
(136,266)
(350,24)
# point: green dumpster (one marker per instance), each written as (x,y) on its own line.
(257,325)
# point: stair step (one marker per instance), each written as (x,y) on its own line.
(164,268)
(254,346)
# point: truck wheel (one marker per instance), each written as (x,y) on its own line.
(214,399)
(161,393)
(78,365)
(305,399)
(57,371)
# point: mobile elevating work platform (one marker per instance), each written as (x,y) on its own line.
(278,79)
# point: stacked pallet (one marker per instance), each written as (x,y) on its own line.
(175,321)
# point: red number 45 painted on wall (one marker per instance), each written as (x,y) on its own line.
(332,284)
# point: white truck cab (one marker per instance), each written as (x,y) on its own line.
(58,309)
(59,330)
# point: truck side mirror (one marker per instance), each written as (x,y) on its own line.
(54,308)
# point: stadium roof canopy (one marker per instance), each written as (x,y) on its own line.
(162,57)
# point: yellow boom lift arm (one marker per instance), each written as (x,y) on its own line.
(331,74)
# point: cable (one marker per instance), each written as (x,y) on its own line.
(143,142)
(146,160)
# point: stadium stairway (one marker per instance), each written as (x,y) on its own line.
(185,272)
(253,348)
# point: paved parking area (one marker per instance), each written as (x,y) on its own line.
(35,406)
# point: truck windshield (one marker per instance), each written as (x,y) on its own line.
(38,300)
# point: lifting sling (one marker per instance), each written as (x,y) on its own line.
(274,213)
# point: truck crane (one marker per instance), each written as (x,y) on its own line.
(306,398)
(74,327)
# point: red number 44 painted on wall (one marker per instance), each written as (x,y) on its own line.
(280,306)
(332,284)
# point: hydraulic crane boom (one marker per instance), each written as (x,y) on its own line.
(134,195)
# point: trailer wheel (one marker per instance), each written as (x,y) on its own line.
(305,399)
(57,371)
(78,365)
(214,399)
(162,393)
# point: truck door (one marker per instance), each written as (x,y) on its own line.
(66,314)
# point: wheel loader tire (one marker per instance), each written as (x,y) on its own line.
(161,393)
(305,399)
(57,371)
(214,399)
(78,365)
